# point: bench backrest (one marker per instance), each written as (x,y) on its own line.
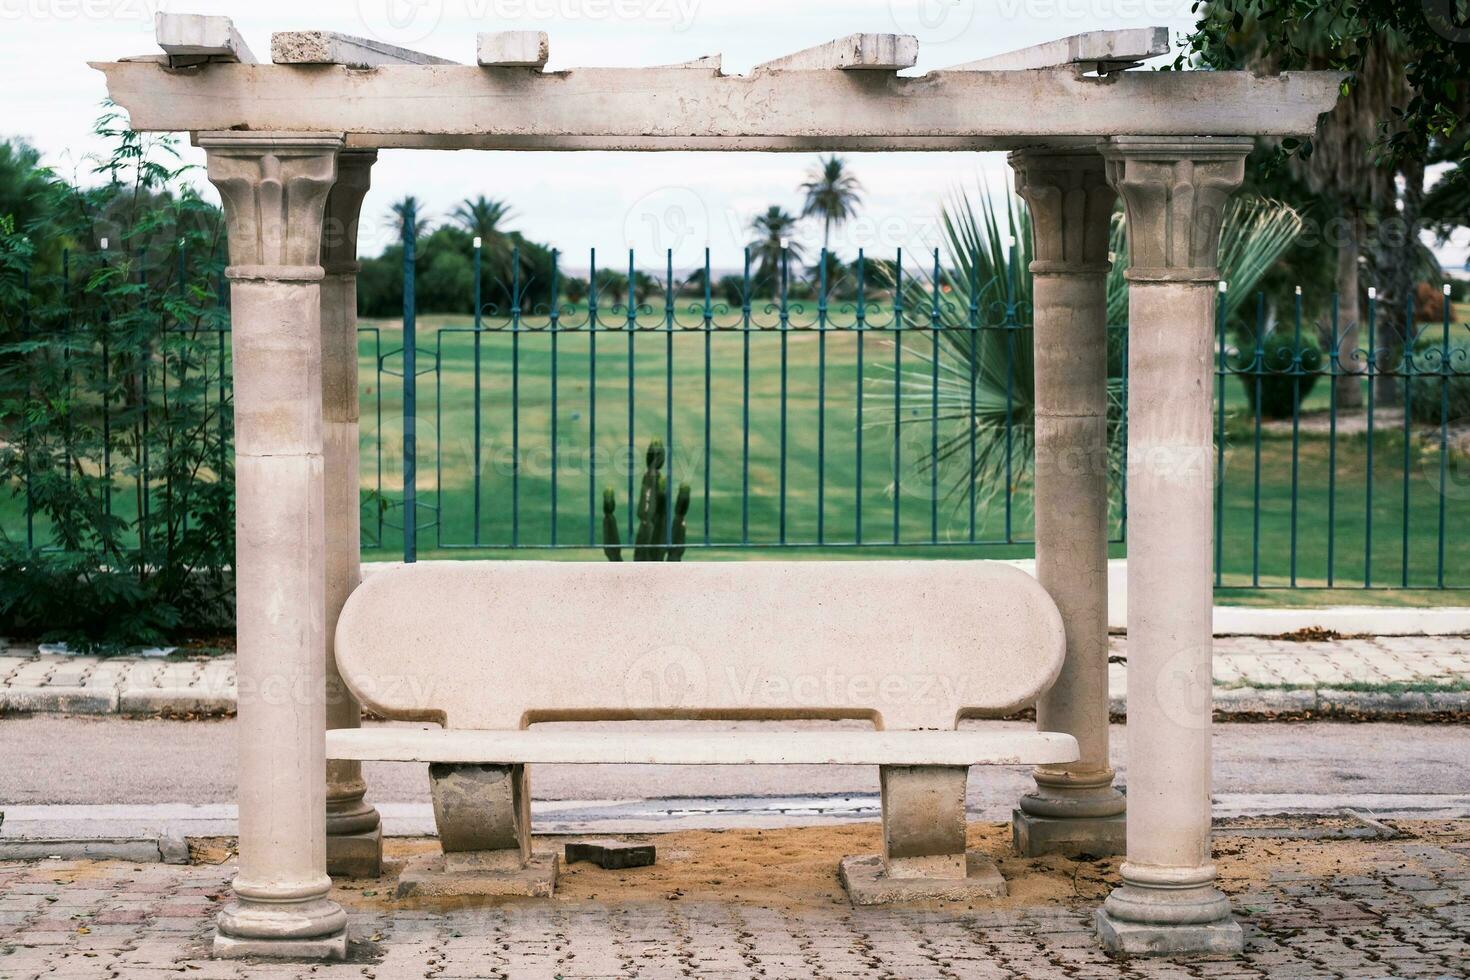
(499,645)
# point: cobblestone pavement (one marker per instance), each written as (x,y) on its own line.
(1391,675)
(1404,911)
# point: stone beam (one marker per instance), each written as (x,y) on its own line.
(856,52)
(192,39)
(512,49)
(331,48)
(678,109)
(1102,50)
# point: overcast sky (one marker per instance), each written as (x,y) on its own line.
(578,200)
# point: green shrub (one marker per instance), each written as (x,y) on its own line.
(115,407)
(1444,379)
(1287,370)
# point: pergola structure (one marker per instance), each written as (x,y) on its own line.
(290,145)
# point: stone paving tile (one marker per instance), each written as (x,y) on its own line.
(1252,674)
(1407,915)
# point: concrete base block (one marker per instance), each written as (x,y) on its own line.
(355,855)
(427,877)
(1032,836)
(333,947)
(1156,939)
(869,883)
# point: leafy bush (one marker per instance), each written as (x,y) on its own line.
(1440,377)
(1286,368)
(115,408)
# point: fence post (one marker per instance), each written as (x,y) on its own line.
(410,393)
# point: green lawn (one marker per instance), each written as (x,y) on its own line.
(515,501)
(1251,555)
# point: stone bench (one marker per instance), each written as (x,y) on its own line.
(489,649)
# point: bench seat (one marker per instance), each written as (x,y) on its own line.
(686,748)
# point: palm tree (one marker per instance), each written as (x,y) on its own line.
(999,408)
(399,212)
(485,218)
(773,233)
(832,193)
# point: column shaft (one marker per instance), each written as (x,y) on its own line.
(274,188)
(1074,808)
(354,832)
(1175,190)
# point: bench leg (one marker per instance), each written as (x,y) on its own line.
(483,813)
(924,855)
(923,820)
(483,809)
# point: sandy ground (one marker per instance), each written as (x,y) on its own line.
(793,867)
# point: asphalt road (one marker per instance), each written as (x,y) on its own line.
(58,760)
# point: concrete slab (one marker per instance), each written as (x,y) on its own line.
(868,883)
(427,877)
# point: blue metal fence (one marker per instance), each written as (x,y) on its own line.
(875,406)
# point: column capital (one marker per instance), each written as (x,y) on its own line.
(1174,190)
(1071,204)
(344,210)
(274,188)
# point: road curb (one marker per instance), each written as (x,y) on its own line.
(1243,703)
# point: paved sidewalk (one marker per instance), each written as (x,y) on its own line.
(1388,676)
(1323,909)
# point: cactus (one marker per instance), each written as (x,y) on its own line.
(657,538)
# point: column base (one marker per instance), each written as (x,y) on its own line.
(1223,936)
(1032,836)
(868,882)
(332,947)
(355,855)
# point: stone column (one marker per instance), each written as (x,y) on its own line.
(1175,190)
(274,188)
(1075,808)
(354,831)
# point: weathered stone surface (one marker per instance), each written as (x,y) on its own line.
(482,808)
(355,855)
(333,947)
(512,49)
(354,839)
(1223,936)
(869,883)
(976,637)
(430,877)
(1033,836)
(274,191)
(448,106)
(923,821)
(1175,191)
(695,748)
(1071,207)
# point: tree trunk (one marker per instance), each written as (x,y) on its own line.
(1396,312)
(1349,311)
